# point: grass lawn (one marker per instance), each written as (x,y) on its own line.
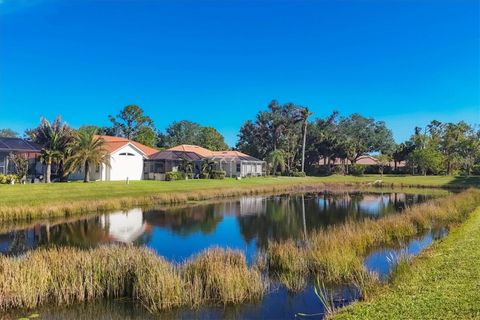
(442,283)
(40,200)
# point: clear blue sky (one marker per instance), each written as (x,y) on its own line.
(220,62)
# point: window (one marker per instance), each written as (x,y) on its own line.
(2,164)
(239,167)
(97,168)
(126,154)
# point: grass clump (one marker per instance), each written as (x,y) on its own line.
(64,276)
(337,252)
(222,276)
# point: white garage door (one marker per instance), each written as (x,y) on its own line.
(126,163)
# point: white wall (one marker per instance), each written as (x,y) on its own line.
(125,166)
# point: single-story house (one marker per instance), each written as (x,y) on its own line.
(126,161)
(19,146)
(234,163)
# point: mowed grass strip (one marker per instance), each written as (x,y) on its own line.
(58,199)
(442,283)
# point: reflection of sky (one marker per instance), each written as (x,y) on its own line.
(378,260)
(176,247)
(371,205)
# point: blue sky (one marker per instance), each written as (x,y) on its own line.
(220,62)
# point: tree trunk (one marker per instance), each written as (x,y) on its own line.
(87,173)
(303,147)
(48,171)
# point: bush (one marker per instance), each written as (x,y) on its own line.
(357,170)
(8,178)
(218,174)
(175,175)
(298,174)
(204,176)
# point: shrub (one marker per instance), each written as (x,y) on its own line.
(174,175)
(357,170)
(8,178)
(340,169)
(218,174)
(298,174)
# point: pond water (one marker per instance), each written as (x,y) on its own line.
(245,223)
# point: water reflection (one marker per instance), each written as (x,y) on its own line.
(246,223)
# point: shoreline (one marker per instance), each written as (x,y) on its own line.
(28,202)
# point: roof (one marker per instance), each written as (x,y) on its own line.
(192,148)
(18,145)
(186,150)
(112,144)
(233,154)
(175,155)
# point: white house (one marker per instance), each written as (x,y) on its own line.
(126,161)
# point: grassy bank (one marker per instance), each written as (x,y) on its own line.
(41,201)
(66,275)
(442,283)
(336,253)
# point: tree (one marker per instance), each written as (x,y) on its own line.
(427,159)
(401,152)
(359,135)
(211,139)
(129,121)
(55,139)
(207,168)
(8,133)
(186,166)
(20,163)
(87,151)
(280,127)
(276,160)
(305,114)
(182,132)
(452,138)
(383,161)
(147,136)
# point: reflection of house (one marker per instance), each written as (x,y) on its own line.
(19,146)
(253,205)
(124,226)
(126,161)
(234,163)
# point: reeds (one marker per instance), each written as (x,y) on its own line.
(336,253)
(64,276)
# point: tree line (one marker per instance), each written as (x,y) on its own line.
(284,135)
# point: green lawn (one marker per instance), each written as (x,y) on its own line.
(443,282)
(45,193)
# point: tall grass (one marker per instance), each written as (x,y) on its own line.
(216,276)
(64,276)
(336,253)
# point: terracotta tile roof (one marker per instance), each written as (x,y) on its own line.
(191,148)
(114,143)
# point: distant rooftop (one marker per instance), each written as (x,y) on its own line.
(18,145)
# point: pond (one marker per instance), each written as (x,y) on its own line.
(245,223)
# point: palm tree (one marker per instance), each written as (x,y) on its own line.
(276,159)
(207,167)
(55,139)
(305,114)
(186,166)
(87,151)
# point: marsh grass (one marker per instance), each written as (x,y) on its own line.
(64,276)
(336,253)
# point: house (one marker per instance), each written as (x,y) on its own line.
(126,159)
(234,163)
(19,146)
